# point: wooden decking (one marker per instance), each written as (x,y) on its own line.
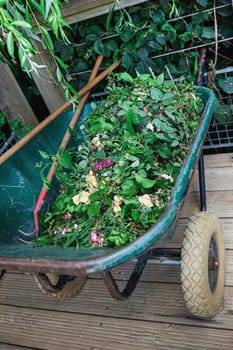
(153,318)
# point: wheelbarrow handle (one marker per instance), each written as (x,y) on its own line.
(56,113)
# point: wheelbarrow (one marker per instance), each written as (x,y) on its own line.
(63,271)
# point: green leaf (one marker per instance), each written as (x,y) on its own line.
(47,38)
(22,57)
(203,3)
(44,154)
(48,4)
(143,53)
(83,164)
(125,77)
(208,33)
(226,84)
(22,24)
(222,113)
(168,27)
(144,181)
(61,63)
(129,188)
(94,209)
(156,94)
(10,44)
(59,74)
(65,161)
(168,98)
(99,47)
(109,17)
(126,34)
(111,45)
(127,60)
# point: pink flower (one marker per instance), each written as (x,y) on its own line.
(66,216)
(97,238)
(97,166)
(65,231)
(107,162)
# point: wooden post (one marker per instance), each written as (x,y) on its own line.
(53,94)
(12,98)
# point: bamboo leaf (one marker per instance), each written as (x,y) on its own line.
(47,38)
(22,24)
(22,57)
(48,4)
(35,5)
(10,44)
(59,74)
(61,63)
(109,17)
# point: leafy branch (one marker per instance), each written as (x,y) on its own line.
(24,25)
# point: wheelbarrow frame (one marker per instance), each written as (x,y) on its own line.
(143,248)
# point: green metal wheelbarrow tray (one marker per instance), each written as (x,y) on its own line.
(62,271)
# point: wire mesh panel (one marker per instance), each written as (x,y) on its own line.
(220,133)
(9,142)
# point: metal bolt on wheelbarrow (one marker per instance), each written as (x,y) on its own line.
(61,272)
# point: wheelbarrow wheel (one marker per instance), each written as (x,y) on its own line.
(58,286)
(202,265)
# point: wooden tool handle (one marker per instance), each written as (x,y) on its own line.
(56,113)
(75,118)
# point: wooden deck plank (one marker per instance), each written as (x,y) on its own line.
(176,241)
(218,202)
(154,317)
(4,346)
(220,160)
(151,301)
(216,180)
(55,330)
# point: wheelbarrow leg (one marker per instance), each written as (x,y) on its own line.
(111,284)
(201,172)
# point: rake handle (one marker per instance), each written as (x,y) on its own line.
(56,113)
(75,118)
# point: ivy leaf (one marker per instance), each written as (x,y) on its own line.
(226,84)
(143,53)
(111,45)
(208,33)
(127,60)
(126,35)
(203,3)
(99,47)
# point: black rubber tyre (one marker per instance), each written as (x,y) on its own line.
(59,286)
(203,265)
